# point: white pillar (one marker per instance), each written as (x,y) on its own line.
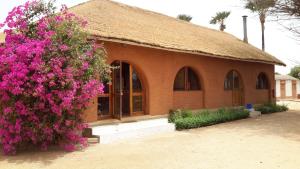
(298,87)
(278,88)
(288,88)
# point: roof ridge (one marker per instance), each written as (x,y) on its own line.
(82,3)
(161,14)
(154,12)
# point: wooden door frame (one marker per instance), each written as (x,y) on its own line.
(131,94)
(241,88)
(142,93)
(112,93)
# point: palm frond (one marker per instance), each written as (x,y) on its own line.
(185,17)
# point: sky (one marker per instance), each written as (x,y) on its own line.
(279,41)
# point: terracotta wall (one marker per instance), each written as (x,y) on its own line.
(158,69)
(263,95)
(188,99)
(91,114)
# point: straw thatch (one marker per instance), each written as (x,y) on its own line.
(113,21)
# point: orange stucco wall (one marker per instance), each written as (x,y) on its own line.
(158,69)
(188,99)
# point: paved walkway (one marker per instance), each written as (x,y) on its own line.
(268,142)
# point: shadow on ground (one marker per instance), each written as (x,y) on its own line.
(34,156)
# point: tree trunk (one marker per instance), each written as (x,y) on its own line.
(222,26)
(262,35)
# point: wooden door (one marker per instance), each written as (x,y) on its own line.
(294,89)
(104,103)
(117,91)
(237,90)
(282,89)
(126,96)
(237,97)
(126,89)
(136,94)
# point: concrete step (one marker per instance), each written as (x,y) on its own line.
(116,132)
(254,114)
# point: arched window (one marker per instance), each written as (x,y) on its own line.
(262,81)
(186,79)
(232,81)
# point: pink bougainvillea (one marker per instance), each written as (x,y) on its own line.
(48,71)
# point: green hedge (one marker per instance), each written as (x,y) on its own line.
(271,108)
(178,114)
(186,119)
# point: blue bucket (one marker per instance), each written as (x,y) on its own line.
(249,106)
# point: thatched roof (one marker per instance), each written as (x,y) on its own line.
(112,21)
(285,77)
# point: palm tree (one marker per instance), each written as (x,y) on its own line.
(220,19)
(262,7)
(184,17)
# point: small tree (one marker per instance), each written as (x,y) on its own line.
(289,10)
(295,72)
(220,19)
(290,7)
(184,17)
(48,74)
(262,7)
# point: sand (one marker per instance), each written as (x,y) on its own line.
(268,142)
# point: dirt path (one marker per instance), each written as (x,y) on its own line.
(268,142)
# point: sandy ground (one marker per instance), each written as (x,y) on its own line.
(268,142)
(292,105)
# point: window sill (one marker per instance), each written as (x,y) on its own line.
(187,90)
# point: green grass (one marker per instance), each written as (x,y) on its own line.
(184,119)
(271,108)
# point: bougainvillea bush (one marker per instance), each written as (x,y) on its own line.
(49,70)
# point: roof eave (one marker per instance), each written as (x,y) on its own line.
(136,43)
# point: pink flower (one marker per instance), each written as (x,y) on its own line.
(85,66)
(7,110)
(68,123)
(69,147)
(44,90)
(63,47)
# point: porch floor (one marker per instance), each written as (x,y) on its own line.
(131,129)
(126,120)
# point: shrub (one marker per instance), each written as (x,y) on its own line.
(177,114)
(48,70)
(206,118)
(271,108)
(173,115)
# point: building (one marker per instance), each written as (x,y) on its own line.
(2,37)
(165,63)
(287,87)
